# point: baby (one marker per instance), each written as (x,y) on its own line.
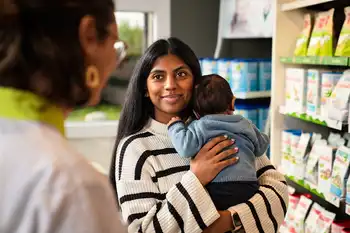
(213,106)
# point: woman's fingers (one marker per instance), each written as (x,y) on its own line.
(225,163)
(213,143)
(221,146)
(226,153)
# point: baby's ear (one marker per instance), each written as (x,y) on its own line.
(233,104)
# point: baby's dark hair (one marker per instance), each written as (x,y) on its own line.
(212,95)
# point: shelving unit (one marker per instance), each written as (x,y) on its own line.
(329,61)
(313,119)
(300,187)
(288,26)
(252,95)
(299,4)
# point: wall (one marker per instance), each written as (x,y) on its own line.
(196,23)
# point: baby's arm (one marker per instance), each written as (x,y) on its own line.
(186,140)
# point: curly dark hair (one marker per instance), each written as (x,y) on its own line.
(40,49)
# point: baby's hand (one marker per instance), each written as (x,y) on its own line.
(174,119)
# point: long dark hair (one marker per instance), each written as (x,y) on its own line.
(137,109)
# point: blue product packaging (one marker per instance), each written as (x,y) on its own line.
(244,75)
(263,112)
(209,66)
(224,69)
(264,75)
(247,111)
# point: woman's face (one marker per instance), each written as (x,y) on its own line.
(169,86)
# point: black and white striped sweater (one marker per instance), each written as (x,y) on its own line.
(158,193)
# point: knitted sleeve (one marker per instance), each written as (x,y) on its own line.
(185,207)
(266,210)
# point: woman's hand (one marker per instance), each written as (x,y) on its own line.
(222,224)
(209,162)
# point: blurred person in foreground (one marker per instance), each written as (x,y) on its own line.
(54,56)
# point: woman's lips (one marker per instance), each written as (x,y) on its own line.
(171,99)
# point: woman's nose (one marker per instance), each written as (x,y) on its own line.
(170,83)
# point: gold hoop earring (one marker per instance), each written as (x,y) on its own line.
(92,77)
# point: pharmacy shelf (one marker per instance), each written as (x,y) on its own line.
(252,95)
(313,119)
(298,4)
(299,187)
(329,61)
(288,25)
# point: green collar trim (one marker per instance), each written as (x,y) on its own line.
(23,105)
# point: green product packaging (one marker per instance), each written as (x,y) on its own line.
(343,47)
(318,33)
(328,34)
(304,37)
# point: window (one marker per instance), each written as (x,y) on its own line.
(134,29)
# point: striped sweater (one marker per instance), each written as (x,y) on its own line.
(158,193)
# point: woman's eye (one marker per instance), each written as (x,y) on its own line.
(182,74)
(157,77)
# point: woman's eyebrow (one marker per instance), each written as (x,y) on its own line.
(180,68)
(157,71)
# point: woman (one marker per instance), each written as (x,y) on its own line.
(158,191)
(54,56)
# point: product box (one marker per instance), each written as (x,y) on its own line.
(263,113)
(328,82)
(264,77)
(296,87)
(244,75)
(340,172)
(248,111)
(209,66)
(224,69)
(313,101)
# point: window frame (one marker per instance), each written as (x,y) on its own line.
(160,10)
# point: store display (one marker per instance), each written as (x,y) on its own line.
(303,39)
(321,164)
(305,216)
(243,75)
(298,216)
(321,171)
(343,47)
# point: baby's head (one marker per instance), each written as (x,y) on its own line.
(213,95)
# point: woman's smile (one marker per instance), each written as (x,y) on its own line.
(172,98)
